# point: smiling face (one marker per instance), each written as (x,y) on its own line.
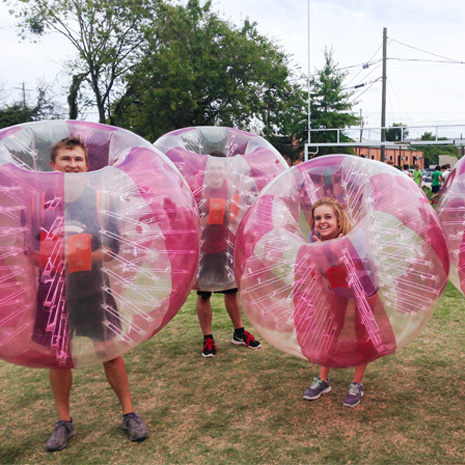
(216,171)
(326,223)
(70,160)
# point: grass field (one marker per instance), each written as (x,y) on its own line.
(246,407)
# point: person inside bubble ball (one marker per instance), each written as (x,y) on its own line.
(217,212)
(328,220)
(85,301)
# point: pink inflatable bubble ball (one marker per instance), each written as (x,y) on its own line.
(350,300)
(97,254)
(226,169)
(451,211)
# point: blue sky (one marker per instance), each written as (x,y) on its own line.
(421,90)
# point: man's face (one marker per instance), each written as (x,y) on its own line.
(216,171)
(70,161)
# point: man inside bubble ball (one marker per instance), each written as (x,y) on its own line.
(217,207)
(85,302)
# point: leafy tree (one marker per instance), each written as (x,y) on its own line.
(431,152)
(16,113)
(106,35)
(201,70)
(395,134)
(330,106)
(23,112)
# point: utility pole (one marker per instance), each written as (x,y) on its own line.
(383,99)
(23,88)
(309,83)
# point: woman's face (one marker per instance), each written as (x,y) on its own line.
(325,221)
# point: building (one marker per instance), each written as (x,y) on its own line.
(396,156)
(448,159)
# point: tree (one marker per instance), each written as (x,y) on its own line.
(396,134)
(431,152)
(200,70)
(15,113)
(23,112)
(330,106)
(106,35)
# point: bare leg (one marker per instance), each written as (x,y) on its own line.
(231,302)
(324,373)
(61,380)
(117,376)
(204,312)
(359,372)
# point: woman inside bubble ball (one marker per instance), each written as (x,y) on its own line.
(328,220)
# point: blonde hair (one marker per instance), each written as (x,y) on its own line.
(341,215)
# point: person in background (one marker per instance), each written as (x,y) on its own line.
(418,175)
(405,170)
(445,169)
(216,212)
(437,180)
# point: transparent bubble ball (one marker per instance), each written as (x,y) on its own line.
(350,300)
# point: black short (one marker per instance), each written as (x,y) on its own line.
(215,271)
(435,189)
(206,294)
(85,317)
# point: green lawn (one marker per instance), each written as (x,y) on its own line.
(246,407)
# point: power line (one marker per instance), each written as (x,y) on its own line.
(451,60)
(362,84)
(364,65)
(399,102)
(429,61)
(366,90)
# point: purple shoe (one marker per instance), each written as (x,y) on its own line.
(354,395)
(317,388)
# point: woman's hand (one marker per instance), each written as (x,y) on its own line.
(318,237)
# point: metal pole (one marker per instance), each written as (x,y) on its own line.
(383,99)
(309,77)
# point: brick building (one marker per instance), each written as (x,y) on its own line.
(396,156)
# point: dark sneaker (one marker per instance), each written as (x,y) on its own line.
(317,388)
(209,347)
(354,395)
(63,431)
(246,339)
(136,428)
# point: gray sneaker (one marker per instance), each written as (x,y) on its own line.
(354,395)
(135,426)
(63,431)
(317,388)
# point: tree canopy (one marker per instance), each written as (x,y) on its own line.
(397,132)
(431,152)
(22,112)
(330,106)
(106,35)
(153,66)
(201,70)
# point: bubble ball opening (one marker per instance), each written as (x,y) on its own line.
(226,168)
(347,301)
(94,263)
